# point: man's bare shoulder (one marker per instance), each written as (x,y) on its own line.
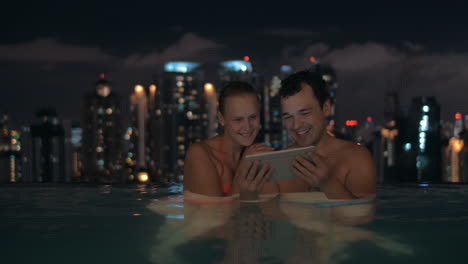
(351,151)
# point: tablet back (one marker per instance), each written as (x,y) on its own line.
(281,161)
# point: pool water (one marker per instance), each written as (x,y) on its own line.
(147,224)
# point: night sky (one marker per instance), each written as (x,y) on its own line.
(51,54)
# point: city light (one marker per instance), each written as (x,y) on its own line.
(180,66)
(407,147)
(351,123)
(456,144)
(246,58)
(458,116)
(152,88)
(209,88)
(143,176)
(312,59)
(425,109)
(237,66)
(369,119)
(139,89)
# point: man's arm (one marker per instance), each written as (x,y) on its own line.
(357,166)
(200,173)
(361,178)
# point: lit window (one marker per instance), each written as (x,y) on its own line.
(425,108)
(109,111)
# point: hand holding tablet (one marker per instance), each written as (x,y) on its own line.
(281,161)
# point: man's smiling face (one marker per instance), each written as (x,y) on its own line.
(303,117)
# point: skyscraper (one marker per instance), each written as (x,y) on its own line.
(275,133)
(48,149)
(390,144)
(420,158)
(102,135)
(183,116)
(10,165)
(138,158)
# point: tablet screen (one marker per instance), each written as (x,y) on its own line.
(280,161)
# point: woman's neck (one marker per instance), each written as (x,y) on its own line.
(232,151)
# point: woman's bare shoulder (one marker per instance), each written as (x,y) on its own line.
(202,150)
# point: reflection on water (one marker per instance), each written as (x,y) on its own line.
(46,223)
(274,231)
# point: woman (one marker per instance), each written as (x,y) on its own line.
(214,166)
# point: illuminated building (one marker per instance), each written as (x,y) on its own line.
(237,70)
(458,125)
(183,117)
(275,133)
(10,146)
(420,159)
(102,135)
(386,157)
(454,156)
(211,100)
(138,155)
(76,154)
(48,149)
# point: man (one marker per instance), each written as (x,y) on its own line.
(341,169)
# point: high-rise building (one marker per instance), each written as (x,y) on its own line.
(76,154)
(139,164)
(180,110)
(275,134)
(390,144)
(48,149)
(454,165)
(420,159)
(102,135)
(10,146)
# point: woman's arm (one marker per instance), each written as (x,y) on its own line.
(200,172)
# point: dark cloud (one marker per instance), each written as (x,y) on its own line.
(189,47)
(291,32)
(50,50)
(367,71)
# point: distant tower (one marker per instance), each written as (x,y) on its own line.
(138,155)
(102,135)
(48,148)
(10,164)
(211,101)
(388,156)
(183,116)
(454,165)
(76,154)
(275,133)
(420,159)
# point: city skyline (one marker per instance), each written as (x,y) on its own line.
(51,54)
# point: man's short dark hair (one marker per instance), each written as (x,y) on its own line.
(292,85)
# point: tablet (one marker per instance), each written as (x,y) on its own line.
(281,161)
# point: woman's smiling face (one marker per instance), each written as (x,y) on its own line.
(241,118)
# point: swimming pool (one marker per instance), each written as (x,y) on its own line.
(139,224)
